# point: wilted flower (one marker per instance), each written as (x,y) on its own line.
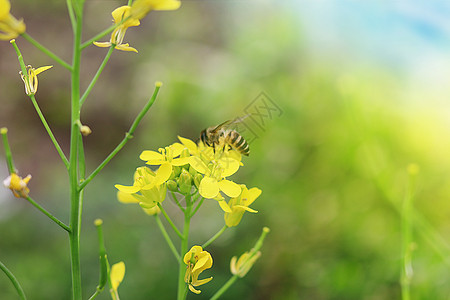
(245,262)
(17,185)
(120,14)
(31,80)
(10,27)
(197,261)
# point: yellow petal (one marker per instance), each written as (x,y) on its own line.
(5,7)
(126,198)
(163,173)
(152,211)
(194,250)
(102,44)
(125,47)
(127,189)
(202,281)
(230,188)
(209,187)
(251,195)
(120,13)
(191,288)
(176,149)
(198,165)
(148,155)
(205,262)
(189,144)
(42,69)
(166,5)
(223,204)
(116,274)
(233,268)
(181,161)
(229,166)
(245,208)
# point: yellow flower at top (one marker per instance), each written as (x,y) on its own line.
(120,14)
(140,8)
(17,185)
(31,80)
(165,155)
(10,27)
(240,204)
(197,261)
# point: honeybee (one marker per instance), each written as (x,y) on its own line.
(223,135)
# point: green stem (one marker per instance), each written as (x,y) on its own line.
(97,75)
(182,287)
(103,260)
(36,106)
(45,212)
(49,131)
(71,13)
(406,215)
(128,136)
(225,287)
(75,199)
(176,201)
(9,160)
(167,238)
(197,207)
(14,281)
(174,227)
(219,233)
(46,51)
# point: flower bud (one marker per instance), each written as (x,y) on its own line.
(85,130)
(185,153)
(192,171)
(172,186)
(197,179)
(185,182)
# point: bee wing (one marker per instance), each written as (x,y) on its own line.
(229,123)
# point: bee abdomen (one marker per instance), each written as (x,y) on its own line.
(235,140)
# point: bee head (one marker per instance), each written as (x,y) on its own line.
(204,137)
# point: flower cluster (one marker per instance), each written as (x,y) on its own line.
(189,168)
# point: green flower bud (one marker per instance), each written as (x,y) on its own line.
(172,185)
(197,179)
(185,182)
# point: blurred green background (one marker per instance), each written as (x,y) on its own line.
(363,90)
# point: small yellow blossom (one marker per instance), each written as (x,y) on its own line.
(197,261)
(31,80)
(148,188)
(165,155)
(118,34)
(116,276)
(242,265)
(140,8)
(17,185)
(239,205)
(10,27)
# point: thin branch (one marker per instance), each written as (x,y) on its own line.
(170,221)
(167,238)
(45,212)
(128,136)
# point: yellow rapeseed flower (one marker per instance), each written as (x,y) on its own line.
(239,205)
(10,27)
(148,189)
(140,8)
(17,185)
(245,262)
(120,14)
(31,80)
(197,260)
(167,155)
